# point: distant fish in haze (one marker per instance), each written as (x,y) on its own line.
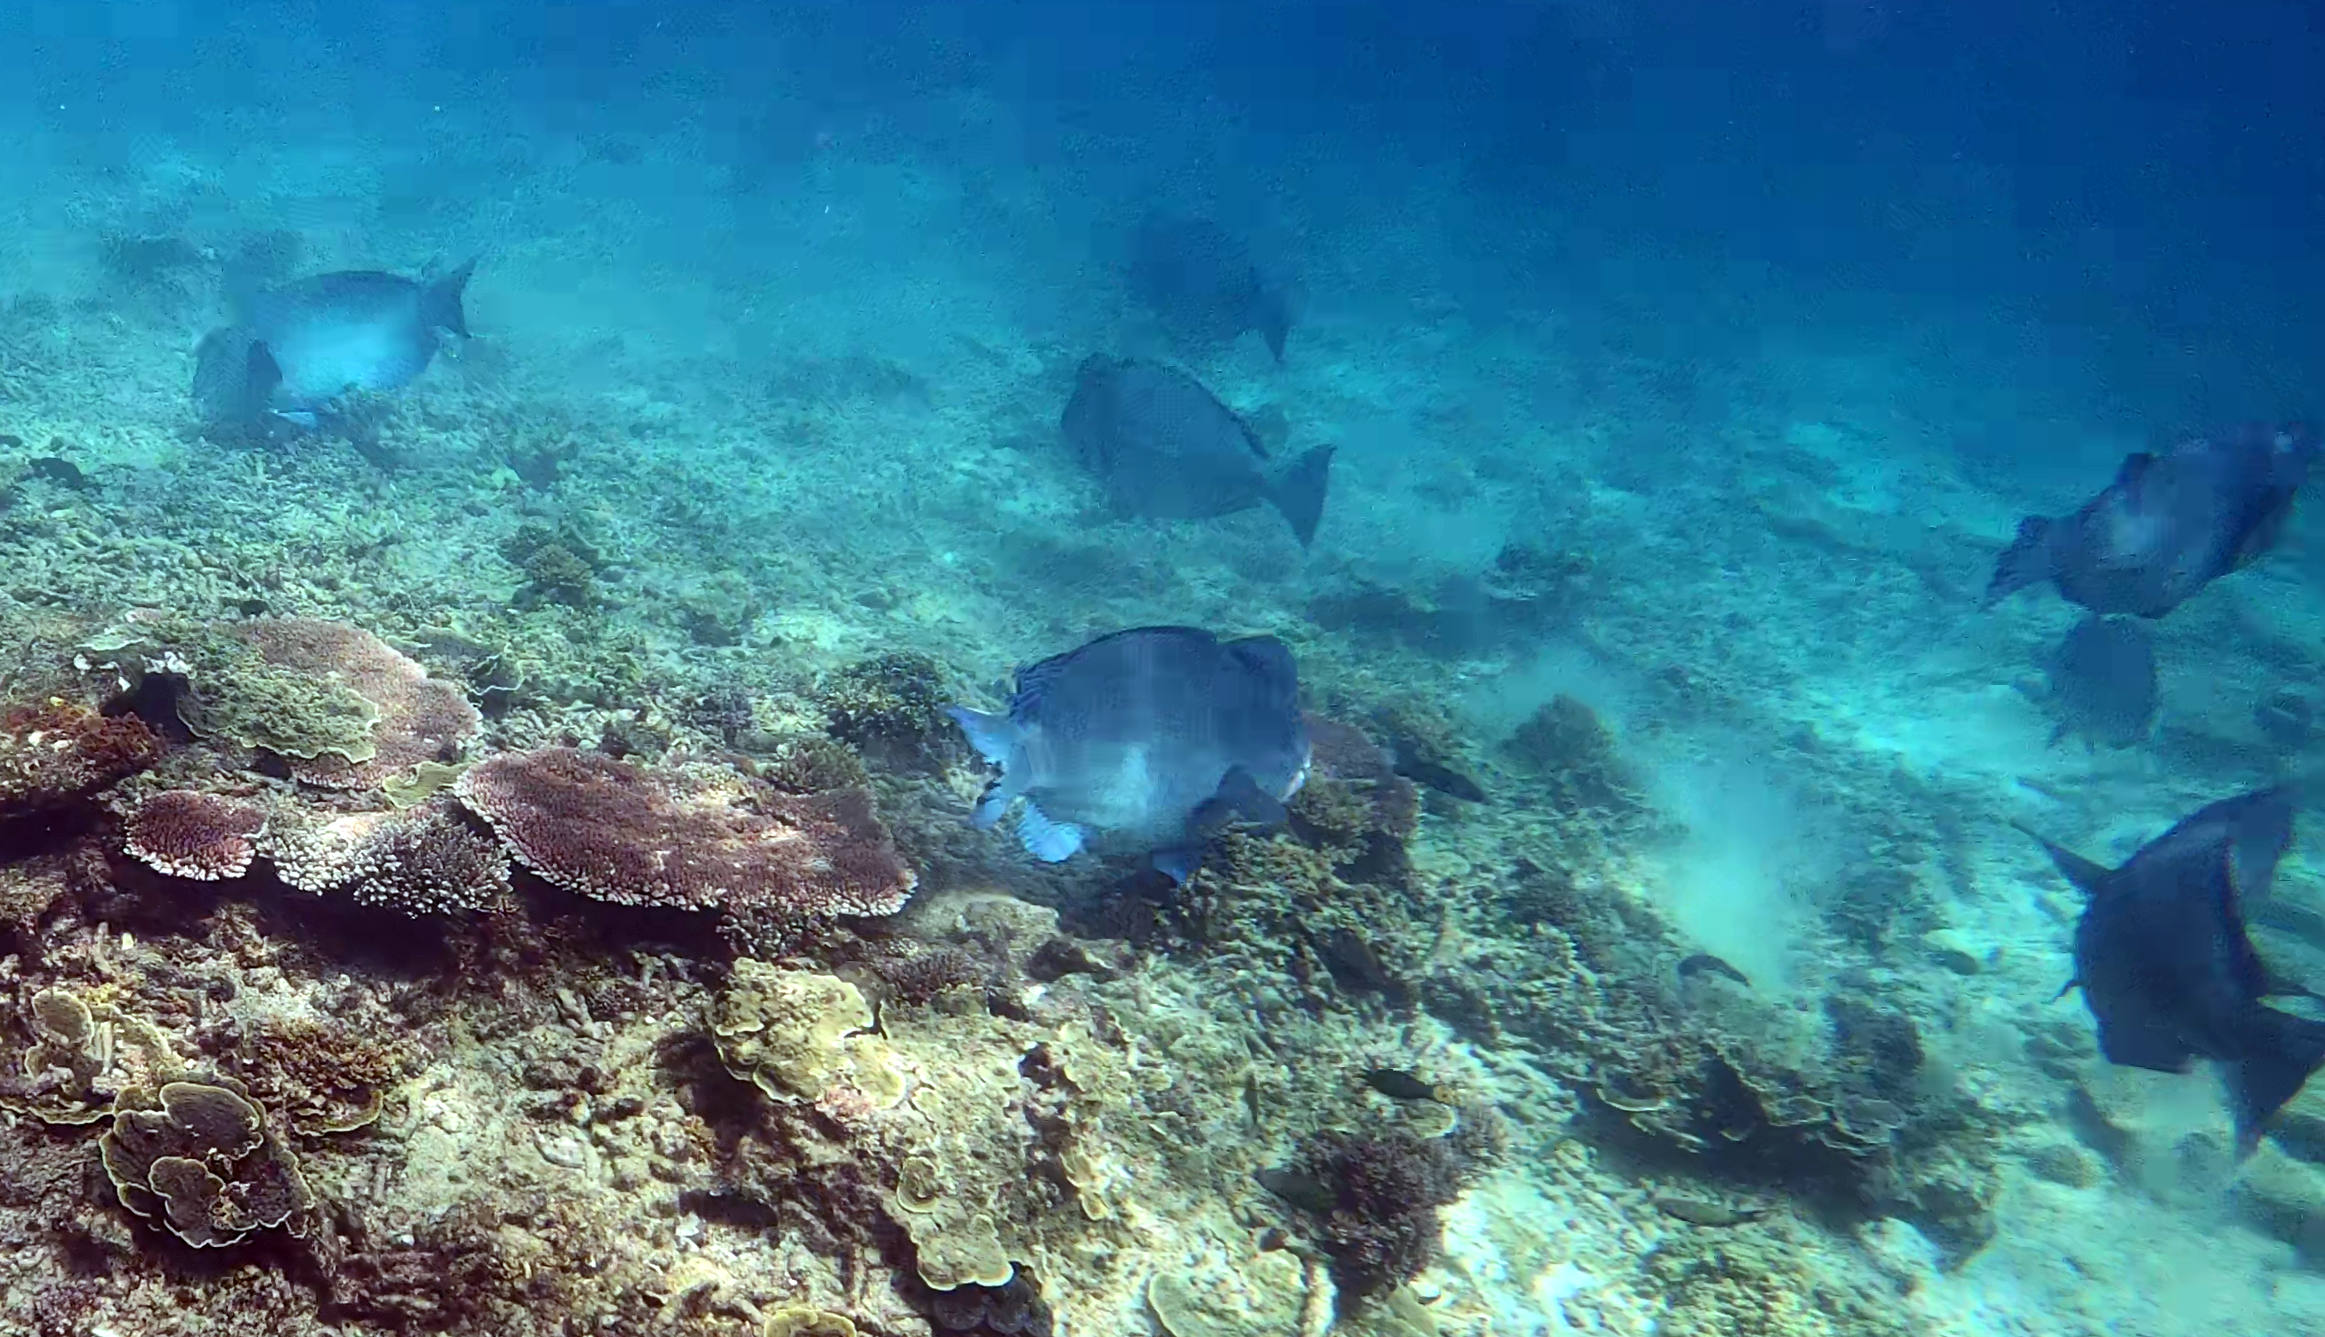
(2167,526)
(2164,963)
(1165,446)
(1203,286)
(293,350)
(1144,741)
(2103,683)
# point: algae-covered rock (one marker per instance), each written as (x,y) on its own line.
(1259,1297)
(84,1054)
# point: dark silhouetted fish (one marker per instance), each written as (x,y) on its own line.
(293,350)
(1204,288)
(1166,447)
(2102,682)
(2164,963)
(2167,526)
(1145,741)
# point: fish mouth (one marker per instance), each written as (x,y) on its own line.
(1299,777)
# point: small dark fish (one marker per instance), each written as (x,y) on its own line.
(2168,525)
(1203,286)
(1151,739)
(1697,1212)
(2102,682)
(1443,779)
(1397,1084)
(1306,1192)
(1165,446)
(2166,967)
(294,350)
(1702,962)
(1354,965)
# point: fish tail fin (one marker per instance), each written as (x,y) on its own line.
(1045,839)
(440,304)
(2086,874)
(1299,493)
(2280,1052)
(2025,562)
(1274,318)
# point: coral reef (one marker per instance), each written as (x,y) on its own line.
(891,708)
(338,706)
(695,838)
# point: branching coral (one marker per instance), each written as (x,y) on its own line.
(696,838)
(423,860)
(202,837)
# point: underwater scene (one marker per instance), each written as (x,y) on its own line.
(1006,668)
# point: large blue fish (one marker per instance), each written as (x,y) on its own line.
(1204,288)
(2164,963)
(1165,446)
(1145,741)
(295,349)
(2168,525)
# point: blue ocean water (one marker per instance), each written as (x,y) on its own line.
(1685,370)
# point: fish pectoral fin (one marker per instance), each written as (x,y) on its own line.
(1048,841)
(1239,796)
(2130,1037)
(1178,864)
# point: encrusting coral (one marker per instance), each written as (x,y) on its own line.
(341,708)
(197,1158)
(691,838)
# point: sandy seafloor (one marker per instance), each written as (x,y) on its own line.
(819,415)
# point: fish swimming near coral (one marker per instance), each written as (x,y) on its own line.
(1203,286)
(2166,967)
(1165,446)
(2168,525)
(1145,741)
(293,350)
(2103,683)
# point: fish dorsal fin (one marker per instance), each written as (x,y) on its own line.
(1250,433)
(2134,467)
(2091,877)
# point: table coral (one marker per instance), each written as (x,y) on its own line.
(202,837)
(693,838)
